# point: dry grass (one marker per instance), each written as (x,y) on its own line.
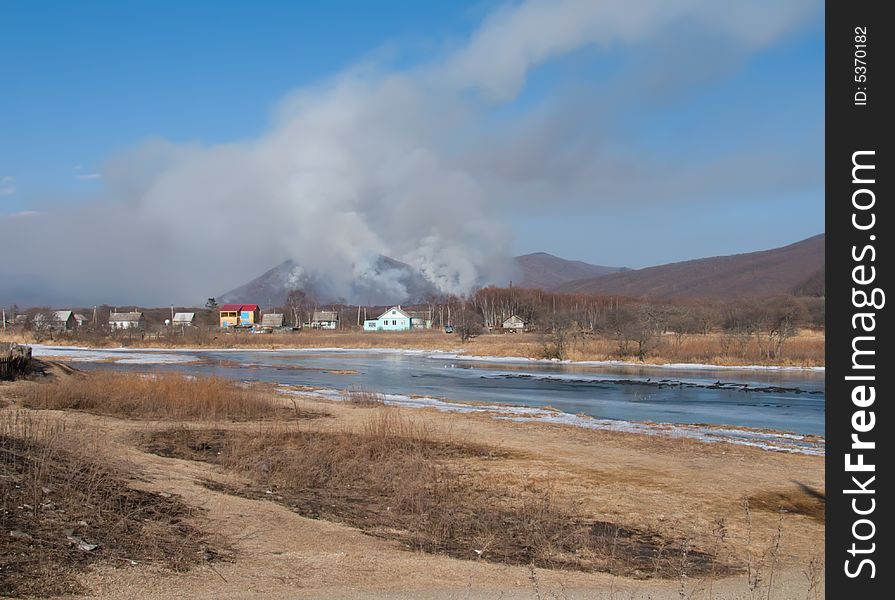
(804,501)
(66,506)
(364,398)
(157,396)
(394,479)
(806,349)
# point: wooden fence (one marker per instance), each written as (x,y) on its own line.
(15,361)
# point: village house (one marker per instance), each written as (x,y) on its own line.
(63,320)
(270,322)
(239,315)
(58,320)
(325,319)
(394,319)
(184,319)
(81,320)
(127,320)
(514,324)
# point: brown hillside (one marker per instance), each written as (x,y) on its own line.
(548,272)
(769,272)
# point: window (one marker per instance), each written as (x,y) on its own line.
(394,322)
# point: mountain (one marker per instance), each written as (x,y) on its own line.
(796,268)
(548,272)
(390,281)
(386,281)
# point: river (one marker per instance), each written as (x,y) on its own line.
(782,400)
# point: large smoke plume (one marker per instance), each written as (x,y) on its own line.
(375,161)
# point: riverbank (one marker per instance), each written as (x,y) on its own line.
(715,349)
(756,515)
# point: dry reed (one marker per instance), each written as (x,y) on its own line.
(157,396)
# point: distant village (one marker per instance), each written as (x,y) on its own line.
(233,318)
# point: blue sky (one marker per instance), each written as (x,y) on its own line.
(688,134)
(85,79)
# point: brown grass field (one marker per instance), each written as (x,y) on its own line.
(806,349)
(188,492)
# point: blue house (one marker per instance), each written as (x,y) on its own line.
(394,319)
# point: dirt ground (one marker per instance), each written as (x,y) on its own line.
(680,488)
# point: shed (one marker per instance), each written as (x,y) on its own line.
(127,320)
(325,319)
(81,320)
(420,319)
(271,321)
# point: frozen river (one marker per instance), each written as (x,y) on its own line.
(783,400)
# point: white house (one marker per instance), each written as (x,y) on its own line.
(514,324)
(394,319)
(127,320)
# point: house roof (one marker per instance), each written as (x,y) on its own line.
(184,317)
(238,307)
(125,316)
(515,319)
(325,315)
(62,316)
(80,317)
(272,320)
(395,308)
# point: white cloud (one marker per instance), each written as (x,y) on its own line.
(518,37)
(89,176)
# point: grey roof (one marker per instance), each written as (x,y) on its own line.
(125,316)
(80,317)
(513,320)
(184,317)
(271,320)
(62,316)
(325,315)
